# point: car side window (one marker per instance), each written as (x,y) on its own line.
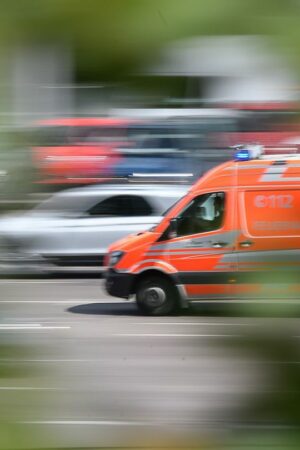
(121,206)
(204,213)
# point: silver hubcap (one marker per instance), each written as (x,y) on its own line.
(154,296)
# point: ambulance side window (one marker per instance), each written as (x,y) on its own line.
(204,213)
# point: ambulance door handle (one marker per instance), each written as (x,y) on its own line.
(246,243)
(219,244)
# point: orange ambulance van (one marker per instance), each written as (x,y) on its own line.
(235,235)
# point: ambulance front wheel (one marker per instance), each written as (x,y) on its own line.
(156,296)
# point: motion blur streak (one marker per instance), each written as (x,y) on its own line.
(104,385)
(109,112)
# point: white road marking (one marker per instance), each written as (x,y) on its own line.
(192,323)
(86,422)
(29,388)
(172,335)
(7,360)
(67,302)
(30,327)
(72,281)
(33,329)
(54,319)
(20,324)
(39,361)
(247,301)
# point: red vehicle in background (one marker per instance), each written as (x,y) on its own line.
(92,150)
(273,124)
(78,150)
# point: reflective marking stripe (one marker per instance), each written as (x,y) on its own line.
(190,253)
(275,173)
(247,166)
(258,166)
(228,236)
(189,249)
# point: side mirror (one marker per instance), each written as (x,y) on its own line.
(173,228)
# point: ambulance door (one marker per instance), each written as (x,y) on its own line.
(269,243)
(203,251)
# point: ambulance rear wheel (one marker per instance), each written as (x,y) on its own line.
(156,296)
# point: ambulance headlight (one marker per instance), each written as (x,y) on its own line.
(114,258)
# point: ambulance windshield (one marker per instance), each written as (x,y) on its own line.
(204,213)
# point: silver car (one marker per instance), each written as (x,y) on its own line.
(72,229)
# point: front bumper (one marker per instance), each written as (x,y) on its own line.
(119,284)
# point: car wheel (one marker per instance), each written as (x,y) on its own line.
(156,296)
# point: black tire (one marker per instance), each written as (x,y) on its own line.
(156,296)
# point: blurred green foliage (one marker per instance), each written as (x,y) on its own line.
(11,361)
(15,370)
(112,38)
(109,37)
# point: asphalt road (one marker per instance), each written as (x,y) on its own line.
(96,372)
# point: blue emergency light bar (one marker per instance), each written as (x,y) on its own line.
(250,152)
(242,155)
